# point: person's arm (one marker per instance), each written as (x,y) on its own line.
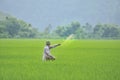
(54,46)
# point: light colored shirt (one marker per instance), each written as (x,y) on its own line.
(47,51)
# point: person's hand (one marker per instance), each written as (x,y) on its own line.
(59,44)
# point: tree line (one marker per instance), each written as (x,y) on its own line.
(13,28)
(99,31)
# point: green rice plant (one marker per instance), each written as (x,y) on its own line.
(21,59)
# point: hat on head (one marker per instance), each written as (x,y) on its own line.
(47,42)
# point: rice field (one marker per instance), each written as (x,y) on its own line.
(21,59)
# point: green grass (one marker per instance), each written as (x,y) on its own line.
(76,60)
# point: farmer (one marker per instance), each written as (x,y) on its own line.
(47,55)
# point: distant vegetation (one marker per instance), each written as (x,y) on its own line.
(10,27)
(99,31)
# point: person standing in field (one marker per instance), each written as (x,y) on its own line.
(47,55)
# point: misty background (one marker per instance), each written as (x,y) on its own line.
(54,19)
(41,13)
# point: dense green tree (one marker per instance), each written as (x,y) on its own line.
(80,34)
(111,31)
(98,31)
(60,30)
(13,28)
(65,31)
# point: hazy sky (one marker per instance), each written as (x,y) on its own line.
(41,13)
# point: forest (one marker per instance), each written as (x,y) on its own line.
(11,27)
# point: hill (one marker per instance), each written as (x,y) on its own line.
(11,27)
(4,15)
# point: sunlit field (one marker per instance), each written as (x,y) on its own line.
(75,60)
